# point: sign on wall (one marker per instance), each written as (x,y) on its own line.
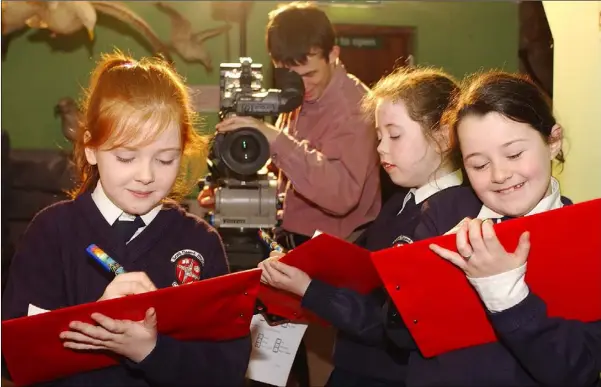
(369,42)
(349,2)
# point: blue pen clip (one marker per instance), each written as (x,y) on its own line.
(105,260)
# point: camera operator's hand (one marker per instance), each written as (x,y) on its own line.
(206,197)
(271,167)
(233,123)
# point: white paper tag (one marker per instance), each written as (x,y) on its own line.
(32,310)
(317,233)
(273,350)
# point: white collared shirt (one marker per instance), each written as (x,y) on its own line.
(111,212)
(424,192)
(503,291)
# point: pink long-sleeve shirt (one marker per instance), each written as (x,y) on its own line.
(329,167)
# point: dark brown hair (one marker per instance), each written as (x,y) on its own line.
(131,102)
(426,92)
(297,30)
(514,96)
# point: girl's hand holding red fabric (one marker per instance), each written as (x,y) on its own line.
(131,339)
(455,229)
(479,252)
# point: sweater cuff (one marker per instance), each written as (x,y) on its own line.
(502,291)
(318,296)
(512,319)
(152,364)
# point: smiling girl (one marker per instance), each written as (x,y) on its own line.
(504,127)
(131,152)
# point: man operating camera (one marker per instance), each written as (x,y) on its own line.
(325,150)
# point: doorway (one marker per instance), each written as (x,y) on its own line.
(370,52)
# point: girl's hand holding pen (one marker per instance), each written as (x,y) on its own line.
(273,256)
(278,274)
(131,339)
(128,284)
(276,255)
(124,283)
(284,277)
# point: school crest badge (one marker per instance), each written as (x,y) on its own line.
(188,266)
(401,240)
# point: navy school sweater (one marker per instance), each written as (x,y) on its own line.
(52,270)
(533,349)
(360,345)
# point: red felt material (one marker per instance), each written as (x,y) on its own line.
(215,309)
(443,311)
(328,259)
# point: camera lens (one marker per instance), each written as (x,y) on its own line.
(245,149)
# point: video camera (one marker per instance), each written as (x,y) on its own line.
(246,194)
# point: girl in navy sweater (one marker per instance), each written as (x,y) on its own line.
(508,138)
(132,152)
(413,146)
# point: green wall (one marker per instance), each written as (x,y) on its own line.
(461,37)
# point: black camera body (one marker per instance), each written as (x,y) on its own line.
(246,196)
(242,153)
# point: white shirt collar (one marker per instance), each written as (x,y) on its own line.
(549,202)
(422,193)
(450,180)
(111,212)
